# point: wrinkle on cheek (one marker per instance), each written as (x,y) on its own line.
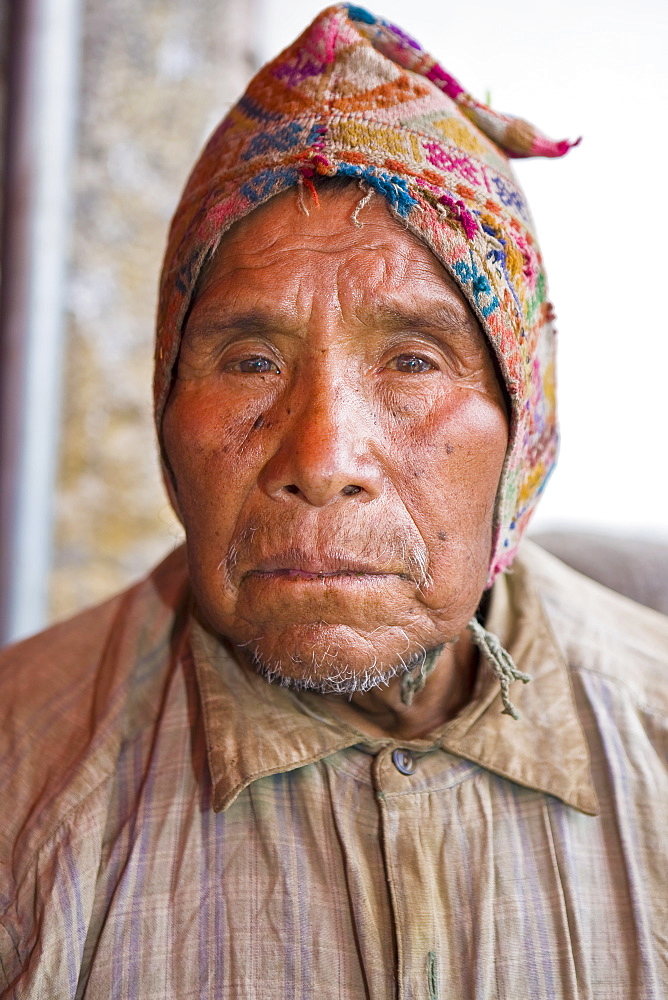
(414,424)
(197,433)
(407,412)
(241,433)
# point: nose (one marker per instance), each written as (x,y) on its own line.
(325,450)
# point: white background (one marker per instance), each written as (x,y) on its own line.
(600,70)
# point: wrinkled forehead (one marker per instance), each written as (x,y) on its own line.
(288,229)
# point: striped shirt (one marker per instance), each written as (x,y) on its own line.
(173,826)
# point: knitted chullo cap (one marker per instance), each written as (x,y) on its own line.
(356,97)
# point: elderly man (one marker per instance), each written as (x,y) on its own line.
(333,749)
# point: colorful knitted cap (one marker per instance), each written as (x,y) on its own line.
(356,97)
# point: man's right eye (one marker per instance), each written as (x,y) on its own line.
(256,366)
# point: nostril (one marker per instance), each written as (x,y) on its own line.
(292,488)
(350,491)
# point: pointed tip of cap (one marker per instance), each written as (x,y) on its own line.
(543,146)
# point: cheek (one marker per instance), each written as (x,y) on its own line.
(456,452)
(449,473)
(204,430)
(211,446)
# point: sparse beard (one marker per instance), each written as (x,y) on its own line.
(318,676)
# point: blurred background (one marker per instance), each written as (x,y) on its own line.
(105,105)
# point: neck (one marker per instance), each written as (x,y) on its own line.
(408,709)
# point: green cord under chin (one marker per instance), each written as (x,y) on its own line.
(489,645)
(416,677)
(501,663)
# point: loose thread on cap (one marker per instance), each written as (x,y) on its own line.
(501,662)
(308,183)
(300,196)
(364,200)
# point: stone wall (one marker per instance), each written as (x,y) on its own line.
(156,77)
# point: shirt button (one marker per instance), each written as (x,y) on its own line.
(404,761)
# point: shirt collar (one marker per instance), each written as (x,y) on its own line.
(546,748)
(254,729)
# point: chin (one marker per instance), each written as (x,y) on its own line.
(334,659)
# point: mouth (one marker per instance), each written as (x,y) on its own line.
(306,567)
(290,573)
(292,564)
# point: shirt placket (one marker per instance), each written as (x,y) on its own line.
(414,793)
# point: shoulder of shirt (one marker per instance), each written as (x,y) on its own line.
(64,702)
(602,631)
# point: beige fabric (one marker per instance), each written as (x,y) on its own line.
(176,827)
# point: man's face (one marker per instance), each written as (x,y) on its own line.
(336,434)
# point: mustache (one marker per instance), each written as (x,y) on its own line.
(256,549)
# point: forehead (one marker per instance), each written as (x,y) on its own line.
(290,239)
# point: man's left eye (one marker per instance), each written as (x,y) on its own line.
(412,364)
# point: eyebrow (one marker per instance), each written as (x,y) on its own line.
(451,318)
(444,315)
(251,321)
